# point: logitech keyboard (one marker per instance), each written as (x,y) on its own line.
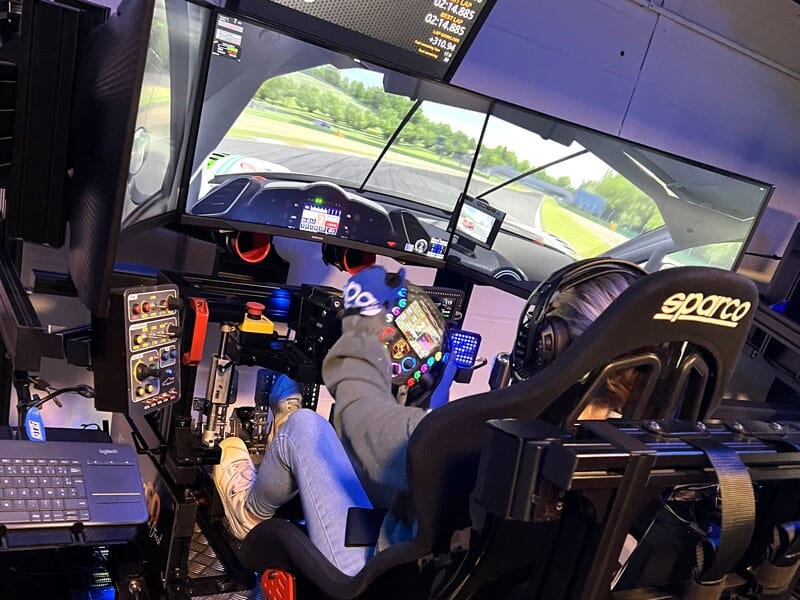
(75,485)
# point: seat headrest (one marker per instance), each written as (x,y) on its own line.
(707,307)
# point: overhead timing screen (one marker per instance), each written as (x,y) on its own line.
(429,34)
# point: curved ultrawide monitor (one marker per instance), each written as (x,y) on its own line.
(299,139)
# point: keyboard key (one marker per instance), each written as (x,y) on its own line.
(15,517)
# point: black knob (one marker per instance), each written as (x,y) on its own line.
(143,372)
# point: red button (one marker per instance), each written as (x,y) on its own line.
(136,309)
(147,307)
(255,309)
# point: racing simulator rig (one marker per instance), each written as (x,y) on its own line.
(247,127)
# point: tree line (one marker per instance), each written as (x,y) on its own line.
(370,110)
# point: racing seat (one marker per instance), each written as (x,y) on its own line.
(684,327)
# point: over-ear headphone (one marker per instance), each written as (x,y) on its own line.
(542,337)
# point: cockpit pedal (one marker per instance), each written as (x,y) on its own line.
(277,585)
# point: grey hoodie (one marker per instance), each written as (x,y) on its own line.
(373,426)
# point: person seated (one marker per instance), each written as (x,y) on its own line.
(361,463)
(578,307)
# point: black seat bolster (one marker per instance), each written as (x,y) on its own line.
(276,543)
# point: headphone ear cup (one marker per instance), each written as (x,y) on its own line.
(552,339)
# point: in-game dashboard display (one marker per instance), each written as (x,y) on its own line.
(323,212)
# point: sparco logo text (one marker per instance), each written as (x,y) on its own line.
(695,306)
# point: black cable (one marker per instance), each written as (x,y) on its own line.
(86,391)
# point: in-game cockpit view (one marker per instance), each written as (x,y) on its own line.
(329,147)
(305,299)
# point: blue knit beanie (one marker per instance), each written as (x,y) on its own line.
(372,290)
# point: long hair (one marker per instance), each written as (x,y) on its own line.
(579,307)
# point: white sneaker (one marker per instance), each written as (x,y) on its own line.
(280,412)
(234,476)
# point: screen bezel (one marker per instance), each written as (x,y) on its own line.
(347,41)
(459,234)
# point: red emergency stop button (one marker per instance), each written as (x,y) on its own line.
(255,309)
